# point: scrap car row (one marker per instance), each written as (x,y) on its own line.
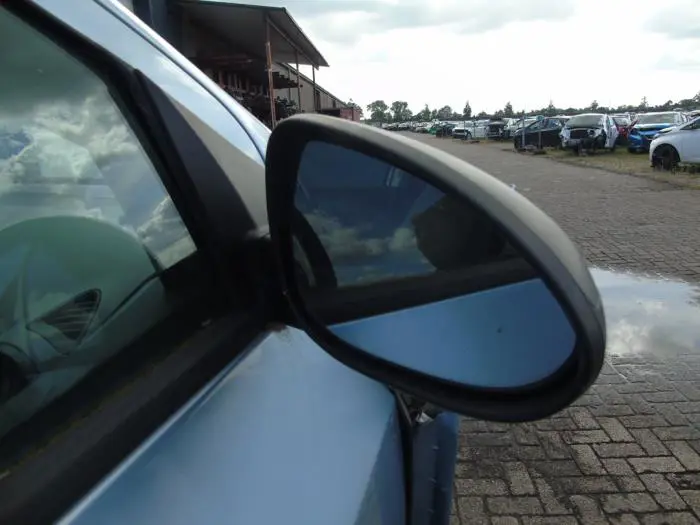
(669,137)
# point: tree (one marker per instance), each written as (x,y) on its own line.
(551,109)
(499,114)
(594,105)
(482,115)
(424,114)
(378,111)
(400,111)
(508,110)
(643,104)
(444,113)
(467,111)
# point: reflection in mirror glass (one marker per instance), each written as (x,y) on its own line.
(404,271)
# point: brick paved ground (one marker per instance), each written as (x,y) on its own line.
(628,452)
(619,221)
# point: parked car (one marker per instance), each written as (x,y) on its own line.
(590,131)
(681,144)
(647,125)
(509,127)
(239,308)
(463,131)
(544,132)
(623,123)
(495,129)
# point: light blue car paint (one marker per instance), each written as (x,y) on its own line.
(434,450)
(285,435)
(504,337)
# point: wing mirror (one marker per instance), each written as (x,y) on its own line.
(427,274)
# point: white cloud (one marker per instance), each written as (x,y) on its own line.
(677,19)
(449,51)
(80,158)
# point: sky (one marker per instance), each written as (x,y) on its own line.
(489,52)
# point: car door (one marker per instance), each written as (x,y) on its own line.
(532,133)
(611,132)
(171,401)
(550,133)
(689,142)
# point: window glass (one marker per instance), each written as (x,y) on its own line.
(86,226)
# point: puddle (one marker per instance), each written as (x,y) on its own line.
(648,314)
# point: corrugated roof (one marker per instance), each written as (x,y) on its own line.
(246,25)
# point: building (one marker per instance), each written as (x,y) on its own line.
(250,51)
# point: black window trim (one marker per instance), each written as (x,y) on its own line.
(46,483)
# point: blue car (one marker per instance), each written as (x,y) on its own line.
(648,125)
(203,321)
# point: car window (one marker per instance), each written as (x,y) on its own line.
(87,228)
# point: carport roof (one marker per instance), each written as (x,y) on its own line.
(246,24)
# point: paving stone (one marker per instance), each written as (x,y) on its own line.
(658,464)
(618,450)
(635,502)
(552,504)
(587,484)
(554,446)
(514,505)
(624,519)
(479,469)
(519,479)
(504,520)
(566,467)
(588,510)
(688,407)
(583,418)
(677,433)
(670,518)
(629,483)
(643,421)
(617,467)
(664,397)
(615,429)
(663,491)
(480,487)
(549,520)
(587,461)
(611,411)
(685,454)
(651,444)
(469,508)
(692,498)
(585,436)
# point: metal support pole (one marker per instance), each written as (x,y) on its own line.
(270,81)
(296,57)
(313,81)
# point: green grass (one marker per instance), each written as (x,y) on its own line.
(619,161)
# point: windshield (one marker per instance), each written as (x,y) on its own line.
(656,118)
(585,121)
(621,120)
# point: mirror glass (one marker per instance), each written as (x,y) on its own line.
(402,270)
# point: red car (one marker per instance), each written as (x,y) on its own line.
(624,124)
